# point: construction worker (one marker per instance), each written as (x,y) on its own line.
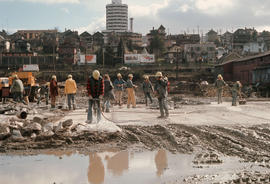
(147,89)
(131,92)
(70,91)
(219,84)
(53,91)
(95,89)
(161,91)
(43,92)
(108,93)
(119,84)
(236,89)
(17,89)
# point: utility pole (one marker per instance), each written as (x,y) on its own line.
(54,47)
(177,64)
(103,57)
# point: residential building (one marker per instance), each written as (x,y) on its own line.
(174,54)
(252,48)
(117,16)
(265,36)
(243,36)
(98,39)
(200,52)
(134,38)
(67,53)
(34,34)
(86,41)
(160,32)
(182,39)
(212,36)
(226,40)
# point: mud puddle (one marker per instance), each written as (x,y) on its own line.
(144,167)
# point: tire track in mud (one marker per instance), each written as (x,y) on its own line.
(250,143)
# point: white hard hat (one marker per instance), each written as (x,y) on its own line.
(96,74)
(158,74)
(119,75)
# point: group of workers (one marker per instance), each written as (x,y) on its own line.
(235,90)
(99,87)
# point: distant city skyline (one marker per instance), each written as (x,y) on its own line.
(178,16)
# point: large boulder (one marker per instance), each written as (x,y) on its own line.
(4,131)
(47,127)
(39,120)
(16,136)
(32,128)
(67,123)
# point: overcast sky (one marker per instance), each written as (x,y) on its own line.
(178,16)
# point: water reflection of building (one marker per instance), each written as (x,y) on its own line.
(161,162)
(96,171)
(118,163)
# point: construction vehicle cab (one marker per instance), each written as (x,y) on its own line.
(4,87)
(29,83)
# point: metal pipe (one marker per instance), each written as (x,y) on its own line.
(22,114)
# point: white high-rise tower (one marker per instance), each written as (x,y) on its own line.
(117,16)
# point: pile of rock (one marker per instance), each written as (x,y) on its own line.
(18,130)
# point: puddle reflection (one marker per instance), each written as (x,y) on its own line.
(118,163)
(161,162)
(96,171)
(106,168)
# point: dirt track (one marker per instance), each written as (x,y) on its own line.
(250,143)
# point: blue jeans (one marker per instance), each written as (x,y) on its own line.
(70,98)
(163,106)
(18,96)
(147,95)
(96,103)
(106,105)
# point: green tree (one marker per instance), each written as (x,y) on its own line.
(157,46)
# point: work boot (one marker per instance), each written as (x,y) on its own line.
(74,107)
(161,117)
(107,110)
(88,121)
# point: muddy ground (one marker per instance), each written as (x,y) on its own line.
(242,132)
(249,143)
